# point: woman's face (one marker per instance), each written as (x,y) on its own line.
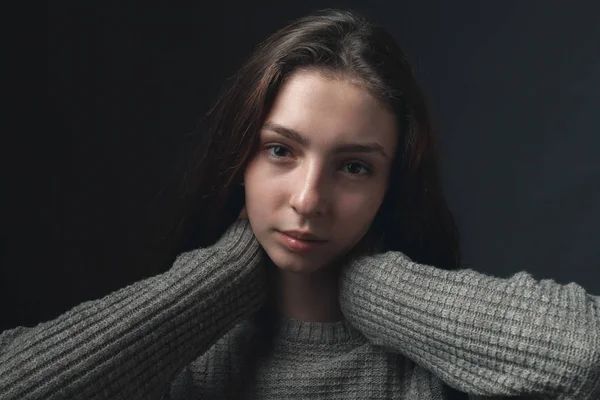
(323,167)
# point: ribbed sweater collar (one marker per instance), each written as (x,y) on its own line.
(317,332)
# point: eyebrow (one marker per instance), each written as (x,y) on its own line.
(343,148)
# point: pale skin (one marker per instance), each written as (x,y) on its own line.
(330,182)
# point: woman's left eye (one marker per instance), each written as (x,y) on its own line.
(355,168)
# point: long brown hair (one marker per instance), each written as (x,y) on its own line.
(414,217)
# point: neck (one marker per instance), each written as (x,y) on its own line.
(308,297)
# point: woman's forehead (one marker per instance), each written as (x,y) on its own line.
(316,105)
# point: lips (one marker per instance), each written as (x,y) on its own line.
(299,245)
(303,235)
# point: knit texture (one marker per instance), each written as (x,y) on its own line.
(480,334)
(308,360)
(131,343)
(189,333)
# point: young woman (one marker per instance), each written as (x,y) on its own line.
(318,259)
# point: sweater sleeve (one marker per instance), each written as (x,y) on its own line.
(483,335)
(131,343)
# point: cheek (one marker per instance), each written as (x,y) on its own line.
(263,194)
(356,213)
(364,202)
(255,195)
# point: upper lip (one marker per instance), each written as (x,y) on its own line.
(303,235)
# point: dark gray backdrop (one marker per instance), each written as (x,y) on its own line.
(101,99)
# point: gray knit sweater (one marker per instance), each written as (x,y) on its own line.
(188,333)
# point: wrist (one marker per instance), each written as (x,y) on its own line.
(238,239)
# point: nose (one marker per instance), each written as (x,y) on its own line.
(309,196)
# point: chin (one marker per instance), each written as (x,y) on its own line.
(290,262)
(289,265)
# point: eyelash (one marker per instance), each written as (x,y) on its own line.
(368,170)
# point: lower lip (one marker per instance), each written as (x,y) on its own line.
(299,245)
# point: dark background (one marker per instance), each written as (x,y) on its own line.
(100,101)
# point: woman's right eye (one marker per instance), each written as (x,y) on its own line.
(276,151)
